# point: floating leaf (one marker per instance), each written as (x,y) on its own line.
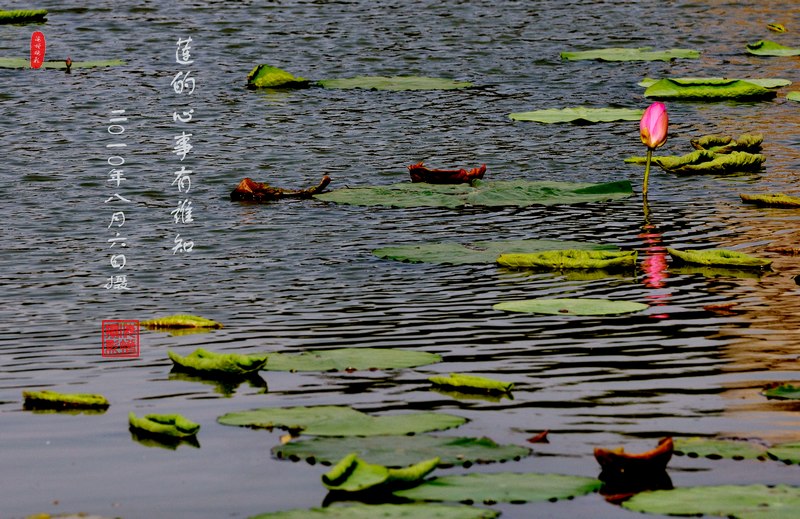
(386,511)
(770,48)
(518,193)
(472,382)
(580,114)
(718,449)
(54,400)
(750,143)
(771,200)
(707,89)
(502,487)
(708,162)
(764,82)
(267,76)
(631,54)
(785,452)
(352,474)
(397,451)
(340,421)
(743,502)
(776,27)
(793,96)
(162,442)
(26,63)
(348,359)
(646,464)
(180,321)
(22,16)
(571,306)
(395,83)
(718,258)
(477,252)
(207,362)
(783,391)
(173,425)
(570,259)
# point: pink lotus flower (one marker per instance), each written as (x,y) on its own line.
(653,126)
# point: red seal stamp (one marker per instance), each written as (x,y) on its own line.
(120,338)
(37,49)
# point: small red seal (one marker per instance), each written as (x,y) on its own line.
(37,49)
(120,338)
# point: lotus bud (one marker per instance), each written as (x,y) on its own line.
(653,126)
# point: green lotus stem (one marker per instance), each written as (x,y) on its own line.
(647,171)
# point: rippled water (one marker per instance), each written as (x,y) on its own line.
(300,275)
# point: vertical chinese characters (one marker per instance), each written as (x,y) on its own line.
(116,176)
(183,83)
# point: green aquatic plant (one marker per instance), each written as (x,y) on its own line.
(349,359)
(267,76)
(570,259)
(793,96)
(180,321)
(385,511)
(208,362)
(713,448)
(173,425)
(352,474)
(396,83)
(718,258)
(782,392)
(750,143)
(588,306)
(771,48)
(708,162)
(22,16)
(707,89)
(771,200)
(763,82)
(54,400)
(631,54)
(578,114)
(468,383)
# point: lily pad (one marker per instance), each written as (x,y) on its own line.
(771,48)
(23,16)
(180,321)
(793,96)
(349,359)
(718,258)
(707,89)
(173,425)
(771,200)
(785,452)
(783,392)
(743,502)
(385,511)
(267,76)
(394,83)
(517,193)
(477,252)
(570,259)
(207,362)
(776,27)
(352,474)
(340,421)
(750,143)
(397,451)
(26,63)
(764,82)
(472,383)
(719,449)
(502,487)
(54,400)
(708,162)
(631,54)
(580,114)
(571,306)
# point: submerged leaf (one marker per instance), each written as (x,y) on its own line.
(208,362)
(782,391)
(743,502)
(54,400)
(26,63)
(472,382)
(571,306)
(173,425)
(395,83)
(397,451)
(519,193)
(267,76)
(346,359)
(352,474)
(502,487)
(718,258)
(570,259)
(579,114)
(770,48)
(771,200)
(631,54)
(23,16)
(717,449)
(385,511)
(707,89)
(340,421)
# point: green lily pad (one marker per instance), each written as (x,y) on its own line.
(771,200)
(708,162)
(207,362)
(517,193)
(173,425)
(718,258)
(742,502)
(783,391)
(386,511)
(764,82)
(502,487)
(54,400)
(23,16)
(570,259)
(340,421)
(571,306)
(750,143)
(397,451)
(477,252)
(793,96)
(770,48)
(267,76)
(718,449)
(156,441)
(785,452)
(776,27)
(628,54)
(348,359)
(180,321)
(26,63)
(707,89)
(579,114)
(472,383)
(395,83)
(352,474)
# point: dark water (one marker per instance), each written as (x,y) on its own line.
(299,275)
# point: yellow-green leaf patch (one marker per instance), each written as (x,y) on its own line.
(23,16)
(631,54)
(771,48)
(385,511)
(352,474)
(349,359)
(173,425)
(467,383)
(570,259)
(585,306)
(579,114)
(707,89)
(718,258)
(54,400)
(771,200)
(180,321)
(206,362)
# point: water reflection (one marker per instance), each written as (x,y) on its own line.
(654,264)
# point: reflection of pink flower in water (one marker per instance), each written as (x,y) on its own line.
(655,268)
